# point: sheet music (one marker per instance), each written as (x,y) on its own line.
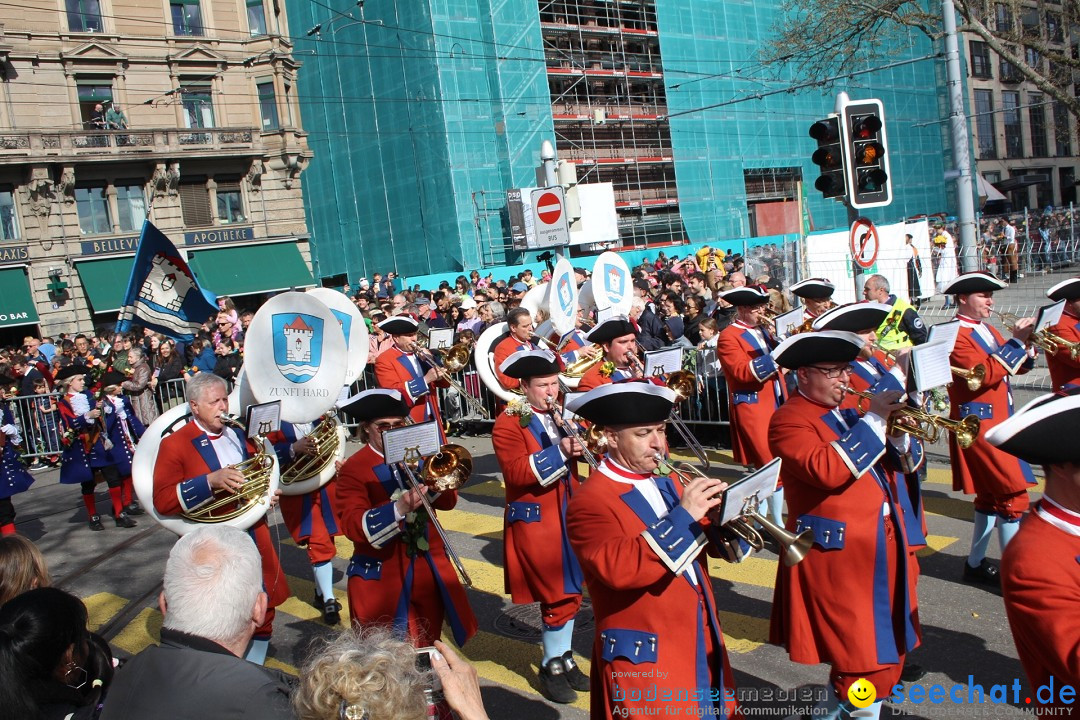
(263,419)
(929,366)
(1049,315)
(660,362)
(759,485)
(440,338)
(945,332)
(414,441)
(567,415)
(788,322)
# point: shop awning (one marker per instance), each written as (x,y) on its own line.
(1018,182)
(251,269)
(105,282)
(16,300)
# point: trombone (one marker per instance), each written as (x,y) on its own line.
(927,426)
(455,358)
(556,411)
(793,547)
(684,383)
(447,469)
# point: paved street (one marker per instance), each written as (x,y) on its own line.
(118,572)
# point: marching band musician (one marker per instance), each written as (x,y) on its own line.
(519,336)
(539,467)
(310,518)
(1064,366)
(14,477)
(399,368)
(640,541)
(399,571)
(755,389)
(197,461)
(998,480)
(816,296)
(1040,570)
(86,455)
(617,336)
(851,602)
(573,346)
(123,428)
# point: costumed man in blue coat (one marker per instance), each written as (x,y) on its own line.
(14,477)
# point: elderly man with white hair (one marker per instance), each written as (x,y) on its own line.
(212,602)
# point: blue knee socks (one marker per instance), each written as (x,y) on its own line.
(557,642)
(324,579)
(980,537)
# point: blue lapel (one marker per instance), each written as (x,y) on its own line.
(641,507)
(206,452)
(403,359)
(753,341)
(833,423)
(538,432)
(386,478)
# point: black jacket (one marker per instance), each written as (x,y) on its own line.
(652,335)
(190,677)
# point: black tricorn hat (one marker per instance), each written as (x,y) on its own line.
(973,282)
(817,347)
(530,363)
(1038,431)
(616,326)
(634,402)
(813,288)
(374,404)
(854,317)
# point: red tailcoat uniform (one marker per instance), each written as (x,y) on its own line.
(505,346)
(851,602)
(180,483)
(652,598)
(386,585)
(570,343)
(755,390)
(310,517)
(1065,369)
(395,370)
(1040,577)
(594,377)
(998,480)
(538,563)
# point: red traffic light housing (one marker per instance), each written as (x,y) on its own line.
(868,177)
(829,157)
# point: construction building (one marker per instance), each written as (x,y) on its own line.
(432,110)
(112,111)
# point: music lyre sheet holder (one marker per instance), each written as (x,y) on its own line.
(410,443)
(263,419)
(661,362)
(758,485)
(1049,315)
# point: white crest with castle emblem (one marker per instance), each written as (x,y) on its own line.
(295,352)
(166,285)
(613,276)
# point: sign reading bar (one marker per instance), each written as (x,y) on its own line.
(18,253)
(109,246)
(212,236)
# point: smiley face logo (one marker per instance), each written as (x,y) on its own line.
(862,693)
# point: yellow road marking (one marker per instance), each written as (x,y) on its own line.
(754,570)
(743,633)
(488,488)
(282,666)
(101,607)
(934,544)
(302,609)
(143,631)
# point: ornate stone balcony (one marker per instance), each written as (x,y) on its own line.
(89,145)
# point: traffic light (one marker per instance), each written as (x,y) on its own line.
(863,127)
(829,157)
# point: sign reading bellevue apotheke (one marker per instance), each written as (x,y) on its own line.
(211,236)
(108,246)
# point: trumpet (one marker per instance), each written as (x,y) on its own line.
(974,377)
(455,358)
(556,411)
(447,469)
(1044,339)
(257,471)
(793,547)
(927,427)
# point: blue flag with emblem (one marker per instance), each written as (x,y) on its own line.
(163,293)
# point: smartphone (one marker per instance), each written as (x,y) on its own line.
(433,693)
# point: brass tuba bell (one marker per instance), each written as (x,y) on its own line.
(326,440)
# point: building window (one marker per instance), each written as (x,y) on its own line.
(94,92)
(256,15)
(1032,58)
(980,59)
(92,202)
(195,203)
(1008,71)
(1037,124)
(1003,17)
(1062,134)
(84,16)
(230,202)
(9,225)
(1029,21)
(268,105)
(1054,31)
(130,205)
(186,17)
(198,105)
(1014,141)
(984,124)
(1044,192)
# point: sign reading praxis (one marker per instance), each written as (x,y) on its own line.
(549,216)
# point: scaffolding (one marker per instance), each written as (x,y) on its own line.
(609,108)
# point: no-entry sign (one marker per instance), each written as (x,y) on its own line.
(549,210)
(864,242)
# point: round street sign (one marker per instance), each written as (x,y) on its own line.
(549,208)
(864,242)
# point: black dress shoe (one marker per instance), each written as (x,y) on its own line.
(95,523)
(134,508)
(985,574)
(331,612)
(317,603)
(912,673)
(577,679)
(554,684)
(124,520)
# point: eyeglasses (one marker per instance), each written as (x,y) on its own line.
(834,372)
(383,427)
(224,324)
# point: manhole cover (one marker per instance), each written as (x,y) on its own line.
(522,622)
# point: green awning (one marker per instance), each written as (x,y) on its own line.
(105,282)
(16,300)
(243,270)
